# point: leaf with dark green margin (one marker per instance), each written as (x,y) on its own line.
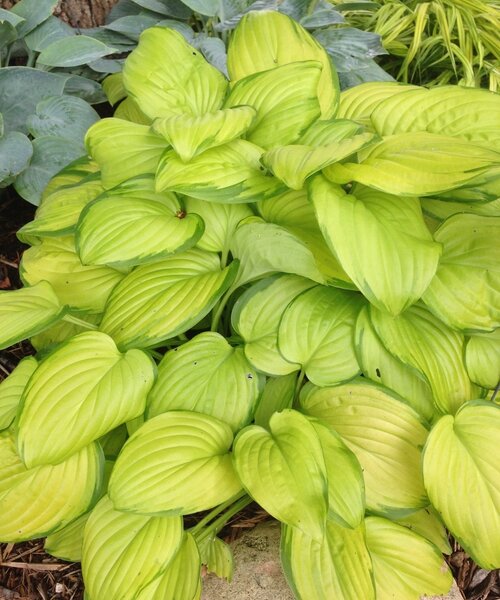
(208,376)
(178,462)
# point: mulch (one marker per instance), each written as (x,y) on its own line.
(28,573)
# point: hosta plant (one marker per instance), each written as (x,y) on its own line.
(261,290)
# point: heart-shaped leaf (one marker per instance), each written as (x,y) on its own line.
(15,154)
(284,471)
(161,300)
(459,451)
(12,388)
(176,463)
(208,376)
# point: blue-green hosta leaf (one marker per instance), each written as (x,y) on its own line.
(420,569)
(284,471)
(73,51)
(29,508)
(379,365)
(58,212)
(418,164)
(427,523)
(461,450)
(286,101)
(456,111)
(10,17)
(15,154)
(82,288)
(192,135)
(50,155)
(221,221)
(208,376)
(338,566)
(176,463)
(317,330)
(386,436)
(265,248)
(133,25)
(256,317)
(293,211)
(131,224)
(123,553)
(113,88)
(358,102)
(21,88)
(392,258)
(228,173)
(346,486)
(8,33)
(465,293)
(181,580)
(278,394)
(49,31)
(11,390)
(294,164)
(64,116)
(482,354)
(61,332)
(442,209)
(33,12)
(185,84)
(266,40)
(423,342)
(85,88)
(130,111)
(216,555)
(169,8)
(27,311)
(78,393)
(161,300)
(214,50)
(123,149)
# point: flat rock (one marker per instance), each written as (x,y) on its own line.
(258,574)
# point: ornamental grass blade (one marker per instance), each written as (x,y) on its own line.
(208,376)
(386,436)
(82,390)
(176,463)
(460,450)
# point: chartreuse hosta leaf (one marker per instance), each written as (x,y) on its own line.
(442,209)
(379,365)
(468,113)
(392,258)
(123,553)
(256,317)
(328,131)
(132,224)
(338,566)
(208,376)
(72,174)
(130,111)
(29,508)
(265,248)
(385,434)
(161,300)
(283,469)
(358,102)
(82,288)
(420,569)
(316,331)
(191,135)
(418,164)
(294,164)
(229,173)
(123,149)
(216,555)
(427,523)
(482,354)
(176,463)
(28,311)
(423,342)
(181,580)
(78,393)
(278,394)
(286,101)
(461,450)
(346,486)
(62,331)
(187,85)
(59,212)
(113,88)
(11,390)
(465,293)
(221,221)
(266,40)
(293,211)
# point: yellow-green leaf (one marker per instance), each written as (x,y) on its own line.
(427,523)
(11,390)
(482,358)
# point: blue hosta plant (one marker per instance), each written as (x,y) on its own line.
(261,289)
